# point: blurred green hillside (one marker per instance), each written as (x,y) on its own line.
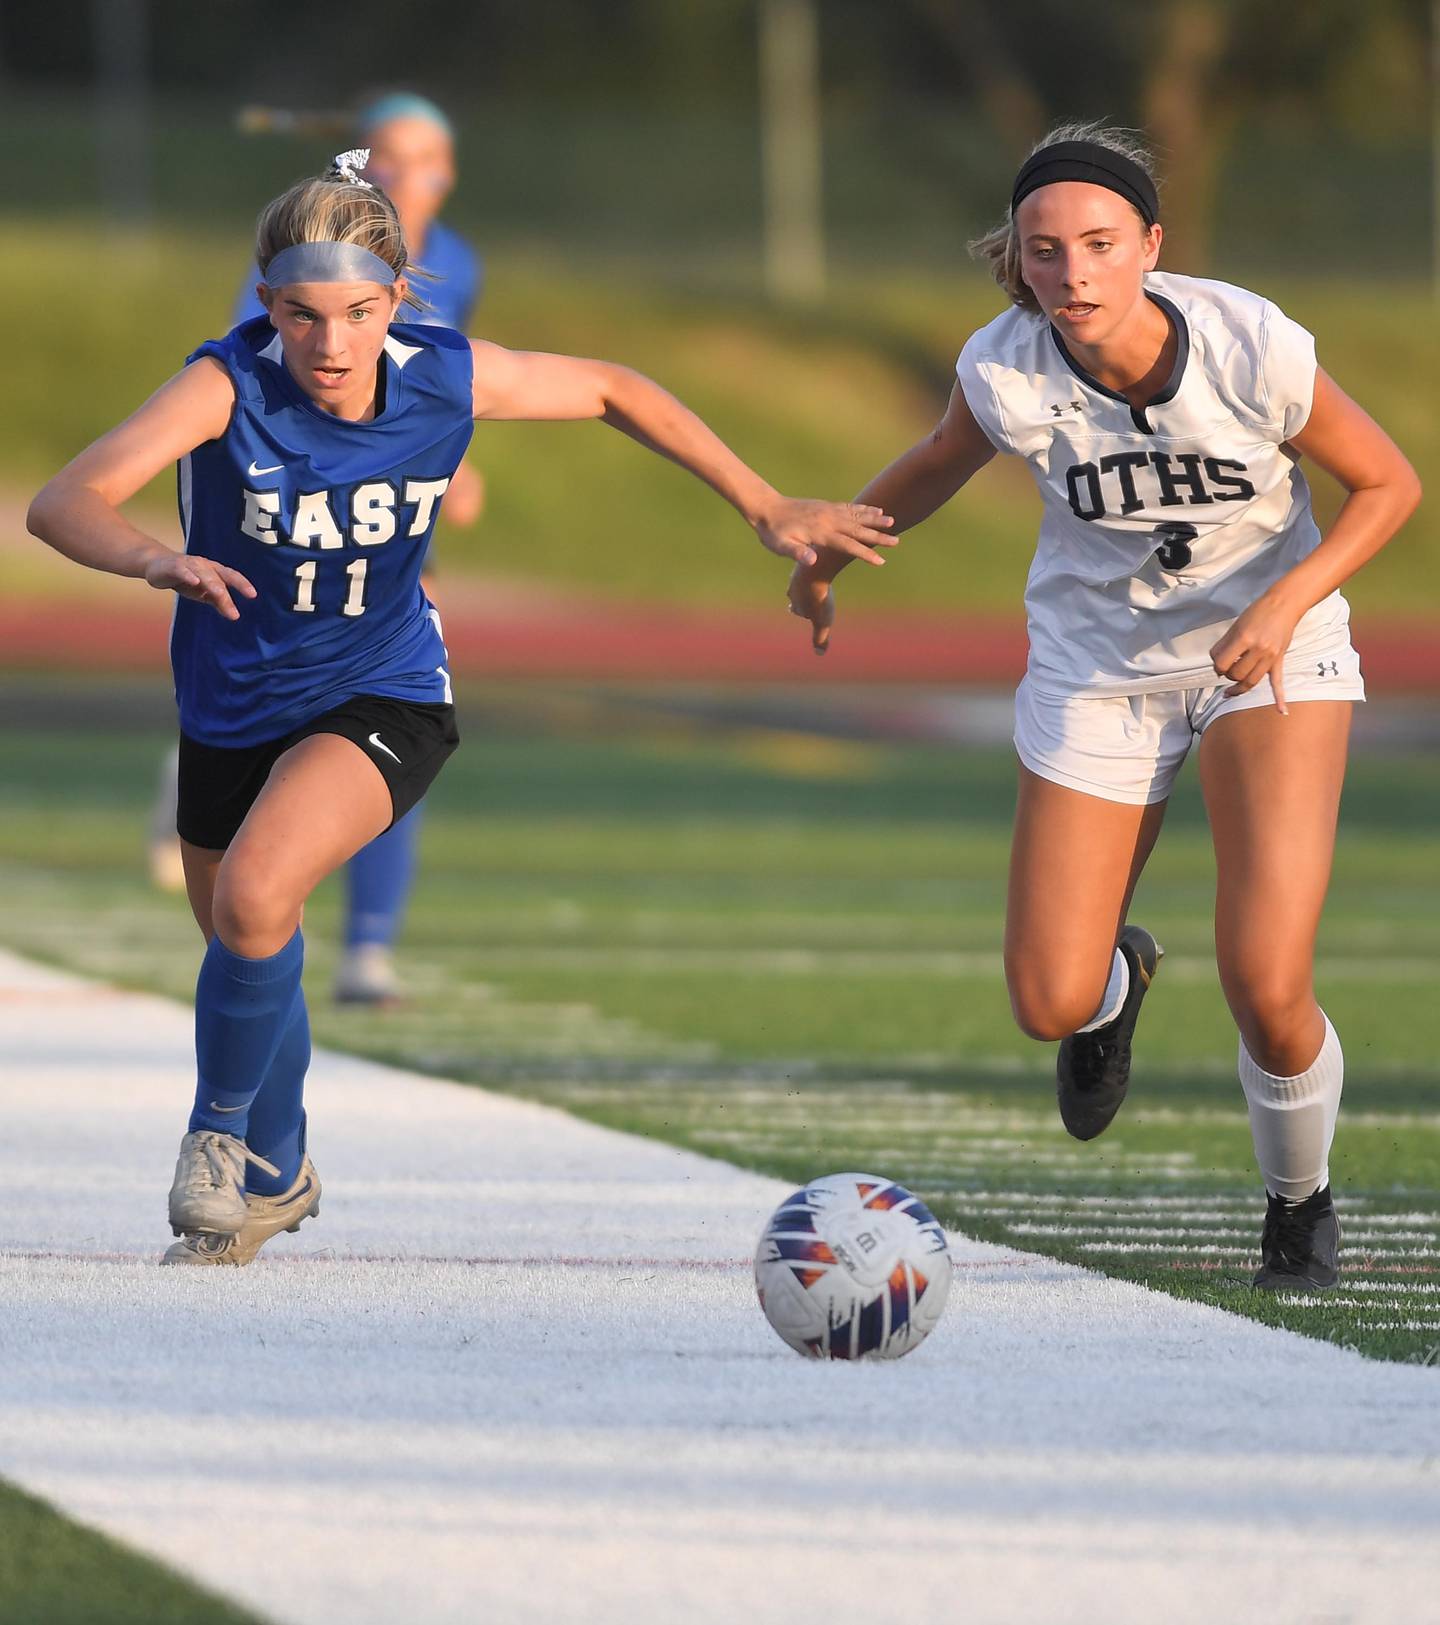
(817,401)
(610,174)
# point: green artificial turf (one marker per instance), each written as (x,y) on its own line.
(56,1572)
(784,950)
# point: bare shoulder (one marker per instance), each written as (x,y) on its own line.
(207,383)
(187,410)
(961,432)
(495,368)
(195,404)
(490,359)
(484,351)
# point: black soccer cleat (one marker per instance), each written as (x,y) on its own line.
(1300,1247)
(1092,1071)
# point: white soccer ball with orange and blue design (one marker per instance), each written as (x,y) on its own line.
(853,1267)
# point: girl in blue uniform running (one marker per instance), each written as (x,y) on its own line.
(314,446)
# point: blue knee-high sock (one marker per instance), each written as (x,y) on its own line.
(378,879)
(241,1007)
(277,1114)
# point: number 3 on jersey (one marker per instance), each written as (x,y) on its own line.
(1172,547)
(305,587)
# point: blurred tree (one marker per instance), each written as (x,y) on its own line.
(1282,107)
(1187,108)
(1000,85)
(1189,71)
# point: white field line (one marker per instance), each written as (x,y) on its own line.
(1360,1226)
(1416,1288)
(1162,1208)
(998,1152)
(1370,1308)
(515,1373)
(684,959)
(1241,1250)
(953,1118)
(1354,1234)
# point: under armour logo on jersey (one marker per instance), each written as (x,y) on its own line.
(1327,668)
(1060,408)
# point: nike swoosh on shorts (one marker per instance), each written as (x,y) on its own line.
(380,744)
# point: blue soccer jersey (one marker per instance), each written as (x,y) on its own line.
(449,276)
(329,520)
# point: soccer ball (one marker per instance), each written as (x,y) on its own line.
(853,1267)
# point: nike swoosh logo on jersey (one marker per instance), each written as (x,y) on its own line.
(253,470)
(380,744)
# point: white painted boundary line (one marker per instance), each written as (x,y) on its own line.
(687,959)
(515,1374)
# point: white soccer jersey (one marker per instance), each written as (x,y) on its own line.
(1160,526)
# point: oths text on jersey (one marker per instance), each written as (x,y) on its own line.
(1128,481)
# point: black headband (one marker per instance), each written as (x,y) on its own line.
(1088,161)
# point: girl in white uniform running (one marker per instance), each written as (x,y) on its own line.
(1180,591)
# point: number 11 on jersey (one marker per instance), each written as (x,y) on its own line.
(305,587)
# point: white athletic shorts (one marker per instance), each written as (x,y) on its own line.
(1129,747)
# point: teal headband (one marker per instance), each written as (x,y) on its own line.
(401,104)
(327,262)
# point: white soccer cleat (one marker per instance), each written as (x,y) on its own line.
(209,1190)
(265,1216)
(367,976)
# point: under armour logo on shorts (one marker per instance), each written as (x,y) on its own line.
(1328,668)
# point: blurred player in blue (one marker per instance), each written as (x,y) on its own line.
(314,447)
(412,160)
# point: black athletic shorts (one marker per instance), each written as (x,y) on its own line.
(409,742)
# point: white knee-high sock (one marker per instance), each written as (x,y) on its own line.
(1115,990)
(1292,1120)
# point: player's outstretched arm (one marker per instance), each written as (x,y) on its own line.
(77,512)
(512,384)
(1384,490)
(913,487)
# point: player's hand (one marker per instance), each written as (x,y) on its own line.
(799,529)
(1254,648)
(200,579)
(465,500)
(812,598)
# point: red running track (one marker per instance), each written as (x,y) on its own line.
(575,640)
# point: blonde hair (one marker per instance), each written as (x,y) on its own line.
(331,209)
(1000,246)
